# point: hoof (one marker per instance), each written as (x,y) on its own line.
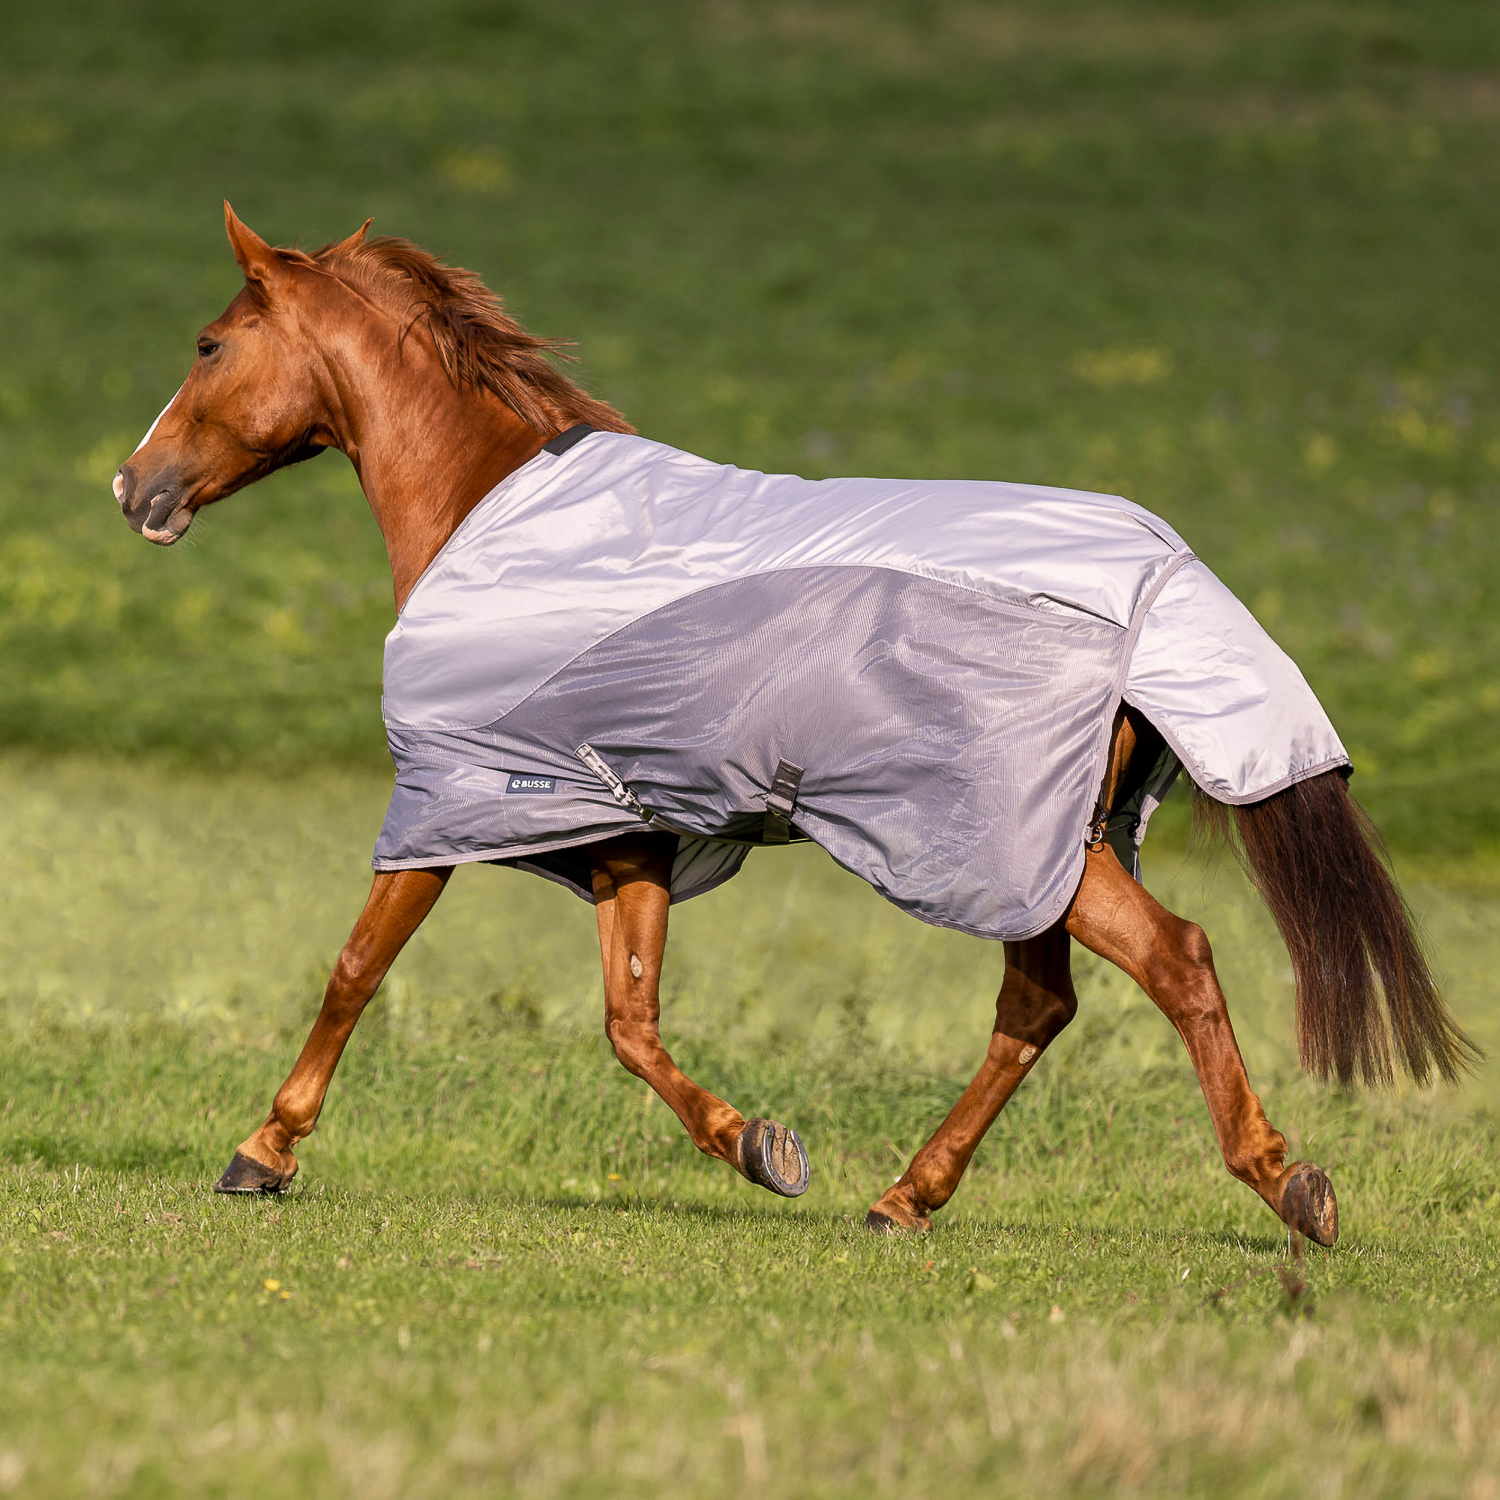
(772,1156)
(1308,1204)
(879,1221)
(246,1175)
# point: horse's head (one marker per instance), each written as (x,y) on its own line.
(253,402)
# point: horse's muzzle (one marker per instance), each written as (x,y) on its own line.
(155,509)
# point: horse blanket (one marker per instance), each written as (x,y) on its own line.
(920,676)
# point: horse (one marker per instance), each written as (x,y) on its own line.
(445,405)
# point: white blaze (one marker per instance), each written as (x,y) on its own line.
(119,484)
(157,423)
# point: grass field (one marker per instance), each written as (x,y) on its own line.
(1233,260)
(505,1269)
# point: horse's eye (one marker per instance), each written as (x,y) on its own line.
(206,347)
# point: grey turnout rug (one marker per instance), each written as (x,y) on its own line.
(921,676)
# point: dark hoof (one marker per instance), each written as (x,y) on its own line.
(246,1175)
(878,1221)
(773,1156)
(1308,1204)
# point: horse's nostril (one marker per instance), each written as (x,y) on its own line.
(120,486)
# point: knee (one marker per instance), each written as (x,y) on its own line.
(634,1042)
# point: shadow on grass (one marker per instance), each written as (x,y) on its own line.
(1121,1240)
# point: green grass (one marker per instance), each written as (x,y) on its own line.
(506,1270)
(1233,260)
(505,1275)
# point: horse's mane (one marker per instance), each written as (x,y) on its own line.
(479,343)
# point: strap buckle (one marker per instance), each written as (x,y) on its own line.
(1098,827)
(617,788)
(780,802)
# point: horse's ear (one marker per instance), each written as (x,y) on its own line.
(257,259)
(353,242)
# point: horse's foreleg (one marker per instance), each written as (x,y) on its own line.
(632,890)
(398,901)
(1170,959)
(1036,1001)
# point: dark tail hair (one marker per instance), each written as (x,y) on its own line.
(1321,867)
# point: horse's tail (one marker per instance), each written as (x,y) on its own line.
(1321,867)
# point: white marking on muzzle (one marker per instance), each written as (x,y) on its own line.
(157,423)
(119,484)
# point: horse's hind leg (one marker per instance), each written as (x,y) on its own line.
(398,901)
(1170,959)
(1036,1001)
(632,890)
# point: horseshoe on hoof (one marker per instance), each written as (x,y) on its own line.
(774,1157)
(246,1175)
(1308,1203)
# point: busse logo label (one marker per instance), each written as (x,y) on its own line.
(519,783)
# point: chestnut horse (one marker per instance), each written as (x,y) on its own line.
(412,370)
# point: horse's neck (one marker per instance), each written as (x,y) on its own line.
(426,455)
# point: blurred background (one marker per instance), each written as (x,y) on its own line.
(1233,260)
